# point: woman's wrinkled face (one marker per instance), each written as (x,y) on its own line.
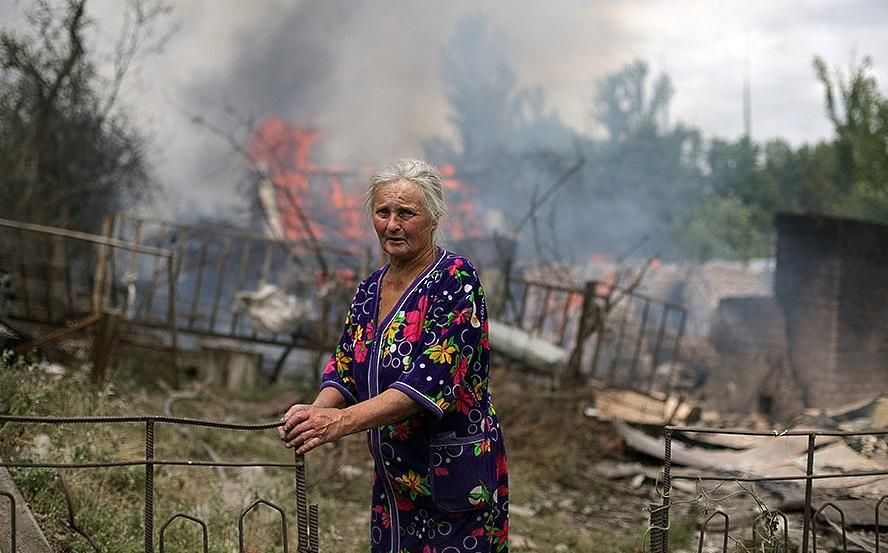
(403,224)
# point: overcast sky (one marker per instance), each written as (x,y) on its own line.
(366,72)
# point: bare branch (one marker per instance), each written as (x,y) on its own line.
(262,173)
(138,24)
(536,203)
(71,522)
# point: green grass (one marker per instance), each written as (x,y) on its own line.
(549,478)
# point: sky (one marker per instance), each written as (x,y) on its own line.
(367,72)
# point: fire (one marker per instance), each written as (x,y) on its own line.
(311,201)
(464,221)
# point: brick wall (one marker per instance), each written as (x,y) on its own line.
(832,285)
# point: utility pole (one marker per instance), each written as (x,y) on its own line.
(747,94)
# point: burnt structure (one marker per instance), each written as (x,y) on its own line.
(748,335)
(832,286)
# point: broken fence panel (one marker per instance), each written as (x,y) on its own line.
(659,518)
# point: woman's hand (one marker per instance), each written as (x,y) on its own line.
(290,412)
(306,427)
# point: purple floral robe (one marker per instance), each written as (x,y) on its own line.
(441,483)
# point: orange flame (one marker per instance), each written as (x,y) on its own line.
(464,222)
(311,200)
(314,201)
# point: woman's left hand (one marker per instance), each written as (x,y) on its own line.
(309,427)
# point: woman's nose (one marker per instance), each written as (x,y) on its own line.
(393,223)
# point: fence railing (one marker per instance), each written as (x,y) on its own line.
(779,526)
(306,514)
(214,265)
(618,336)
(66,281)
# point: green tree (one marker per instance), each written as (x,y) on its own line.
(747,184)
(625,104)
(67,153)
(859,114)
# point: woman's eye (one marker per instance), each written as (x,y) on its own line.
(406,214)
(382,212)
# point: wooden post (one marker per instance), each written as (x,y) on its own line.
(103,346)
(100,272)
(586,327)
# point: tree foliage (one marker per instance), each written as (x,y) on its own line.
(750,183)
(67,153)
(646,179)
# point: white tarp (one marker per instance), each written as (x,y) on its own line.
(521,346)
(270,309)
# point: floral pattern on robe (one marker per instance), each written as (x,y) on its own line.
(441,478)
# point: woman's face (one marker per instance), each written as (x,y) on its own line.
(403,224)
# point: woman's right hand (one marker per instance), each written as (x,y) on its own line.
(282,429)
(311,426)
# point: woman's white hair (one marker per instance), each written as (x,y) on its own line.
(420,173)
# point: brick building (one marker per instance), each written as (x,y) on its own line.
(832,285)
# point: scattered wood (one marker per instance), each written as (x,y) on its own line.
(774,456)
(58,334)
(640,408)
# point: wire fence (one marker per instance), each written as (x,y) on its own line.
(770,527)
(306,514)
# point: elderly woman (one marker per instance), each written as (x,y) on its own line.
(411,368)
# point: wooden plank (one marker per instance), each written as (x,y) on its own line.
(59,334)
(241,281)
(23,271)
(103,346)
(220,279)
(100,270)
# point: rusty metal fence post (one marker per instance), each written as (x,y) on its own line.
(149,486)
(878,528)
(809,485)
(660,513)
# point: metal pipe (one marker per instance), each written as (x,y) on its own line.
(703,531)
(203,526)
(149,486)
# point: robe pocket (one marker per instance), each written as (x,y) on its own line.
(462,472)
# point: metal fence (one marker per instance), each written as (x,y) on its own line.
(65,282)
(779,525)
(306,514)
(215,265)
(171,286)
(618,336)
